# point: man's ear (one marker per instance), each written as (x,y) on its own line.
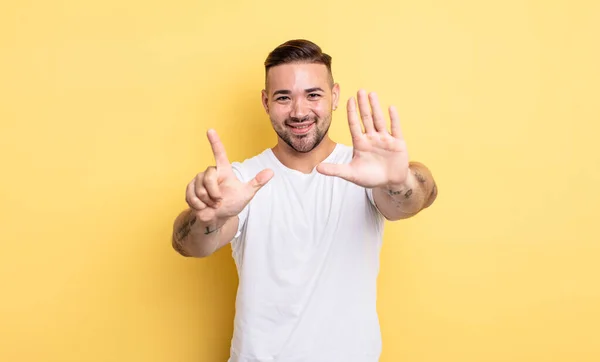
(335,93)
(265,100)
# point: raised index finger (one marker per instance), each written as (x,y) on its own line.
(218,149)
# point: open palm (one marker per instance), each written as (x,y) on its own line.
(380,157)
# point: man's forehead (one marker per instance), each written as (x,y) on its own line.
(298,75)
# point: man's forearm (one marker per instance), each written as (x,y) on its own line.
(192,237)
(415,194)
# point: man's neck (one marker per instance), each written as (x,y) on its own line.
(303,162)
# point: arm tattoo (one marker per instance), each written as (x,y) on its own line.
(399,197)
(412,197)
(185,229)
(181,234)
(209,231)
(396,193)
(419,177)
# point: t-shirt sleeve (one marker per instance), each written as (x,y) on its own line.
(369,192)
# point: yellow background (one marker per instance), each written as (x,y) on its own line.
(104,109)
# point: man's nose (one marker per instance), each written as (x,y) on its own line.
(299,109)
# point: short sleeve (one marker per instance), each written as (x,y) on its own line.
(242,217)
(369,192)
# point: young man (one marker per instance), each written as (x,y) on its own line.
(305,218)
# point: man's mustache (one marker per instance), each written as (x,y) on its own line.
(298,120)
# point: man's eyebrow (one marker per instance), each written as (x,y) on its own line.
(287,91)
(282,91)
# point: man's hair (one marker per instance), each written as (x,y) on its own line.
(298,51)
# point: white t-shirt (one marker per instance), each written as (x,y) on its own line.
(307,255)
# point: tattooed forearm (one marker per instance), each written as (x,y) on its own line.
(400,197)
(401,201)
(185,229)
(419,177)
(193,236)
(430,187)
(181,234)
(399,193)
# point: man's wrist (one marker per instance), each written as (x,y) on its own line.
(404,189)
(211,226)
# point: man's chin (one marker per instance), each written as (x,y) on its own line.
(302,143)
(306,146)
(303,148)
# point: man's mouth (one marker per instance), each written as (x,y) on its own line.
(301,128)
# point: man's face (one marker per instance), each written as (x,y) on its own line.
(299,99)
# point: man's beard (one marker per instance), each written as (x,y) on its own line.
(303,143)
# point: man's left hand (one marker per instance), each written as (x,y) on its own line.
(380,157)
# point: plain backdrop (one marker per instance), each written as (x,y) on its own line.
(104,107)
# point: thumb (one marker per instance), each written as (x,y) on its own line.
(339,170)
(260,180)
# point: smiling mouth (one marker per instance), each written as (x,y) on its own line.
(301,128)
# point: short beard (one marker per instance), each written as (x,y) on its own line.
(305,147)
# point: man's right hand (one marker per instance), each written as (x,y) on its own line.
(216,194)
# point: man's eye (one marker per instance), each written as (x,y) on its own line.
(314,95)
(282,98)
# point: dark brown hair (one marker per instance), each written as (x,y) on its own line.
(298,51)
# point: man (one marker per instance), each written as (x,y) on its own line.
(305,218)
